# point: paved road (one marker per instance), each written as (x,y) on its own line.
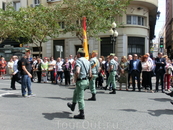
(48,110)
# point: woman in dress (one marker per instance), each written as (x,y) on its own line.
(44,68)
(123,69)
(10,67)
(3,65)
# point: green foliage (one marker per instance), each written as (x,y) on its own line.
(99,13)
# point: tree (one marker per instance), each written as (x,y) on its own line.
(38,24)
(8,27)
(99,13)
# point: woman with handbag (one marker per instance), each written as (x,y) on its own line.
(67,69)
(123,69)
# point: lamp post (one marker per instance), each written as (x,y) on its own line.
(113,35)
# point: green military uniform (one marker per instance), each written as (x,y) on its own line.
(82,82)
(111,78)
(94,69)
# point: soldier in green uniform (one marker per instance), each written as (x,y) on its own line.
(82,71)
(112,73)
(94,69)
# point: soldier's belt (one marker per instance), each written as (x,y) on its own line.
(94,73)
(81,79)
(112,70)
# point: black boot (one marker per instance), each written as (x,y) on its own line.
(71,106)
(80,116)
(105,88)
(93,98)
(113,91)
(170,94)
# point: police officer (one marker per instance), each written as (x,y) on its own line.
(82,70)
(112,73)
(94,69)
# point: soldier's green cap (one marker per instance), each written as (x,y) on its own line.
(27,50)
(81,50)
(94,51)
(112,54)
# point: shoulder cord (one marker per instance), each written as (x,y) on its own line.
(84,67)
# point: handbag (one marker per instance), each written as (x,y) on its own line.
(122,79)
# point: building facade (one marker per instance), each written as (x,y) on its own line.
(135,36)
(169,28)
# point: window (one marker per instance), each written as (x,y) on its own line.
(16,5)
(136,45)
(37,2)
(36,49)
(62,25)
(106,46)
(135,20)
(3,5)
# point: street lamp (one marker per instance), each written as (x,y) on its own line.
(113,35)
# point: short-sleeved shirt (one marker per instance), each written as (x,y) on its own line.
(94,65)
(83,73)
(27,64)
(113,62)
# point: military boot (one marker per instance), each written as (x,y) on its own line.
(105,88)
(80,116)
(93,98)
(113,91)
(71,106)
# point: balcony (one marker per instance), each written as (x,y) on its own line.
(50,1)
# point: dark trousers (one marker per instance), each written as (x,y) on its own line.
(129,80)
(59,74)
(67,77)
(136,74)
(52,76)
(159,75)
(146,79)
(15,78)
(39,76)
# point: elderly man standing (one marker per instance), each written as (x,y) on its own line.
(112,73)
(95,69)
(82,71)
(16,74)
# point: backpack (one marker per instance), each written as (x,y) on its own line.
(19,65)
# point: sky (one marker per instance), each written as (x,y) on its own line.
(161,21)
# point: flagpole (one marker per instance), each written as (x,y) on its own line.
(85,41)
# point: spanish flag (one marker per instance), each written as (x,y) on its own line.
(85,41)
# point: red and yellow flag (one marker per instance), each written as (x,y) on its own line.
(85,41)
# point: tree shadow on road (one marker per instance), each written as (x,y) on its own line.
(161,99)
(129,110)
(51,116)
(65,98)
(160,112)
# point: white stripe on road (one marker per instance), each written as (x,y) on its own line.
(6,94)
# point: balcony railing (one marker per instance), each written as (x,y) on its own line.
(52,0)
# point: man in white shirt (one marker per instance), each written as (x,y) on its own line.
(71,59)
(51,68)
(59,70)
(16,74)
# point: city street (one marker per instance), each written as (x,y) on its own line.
(48,110)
